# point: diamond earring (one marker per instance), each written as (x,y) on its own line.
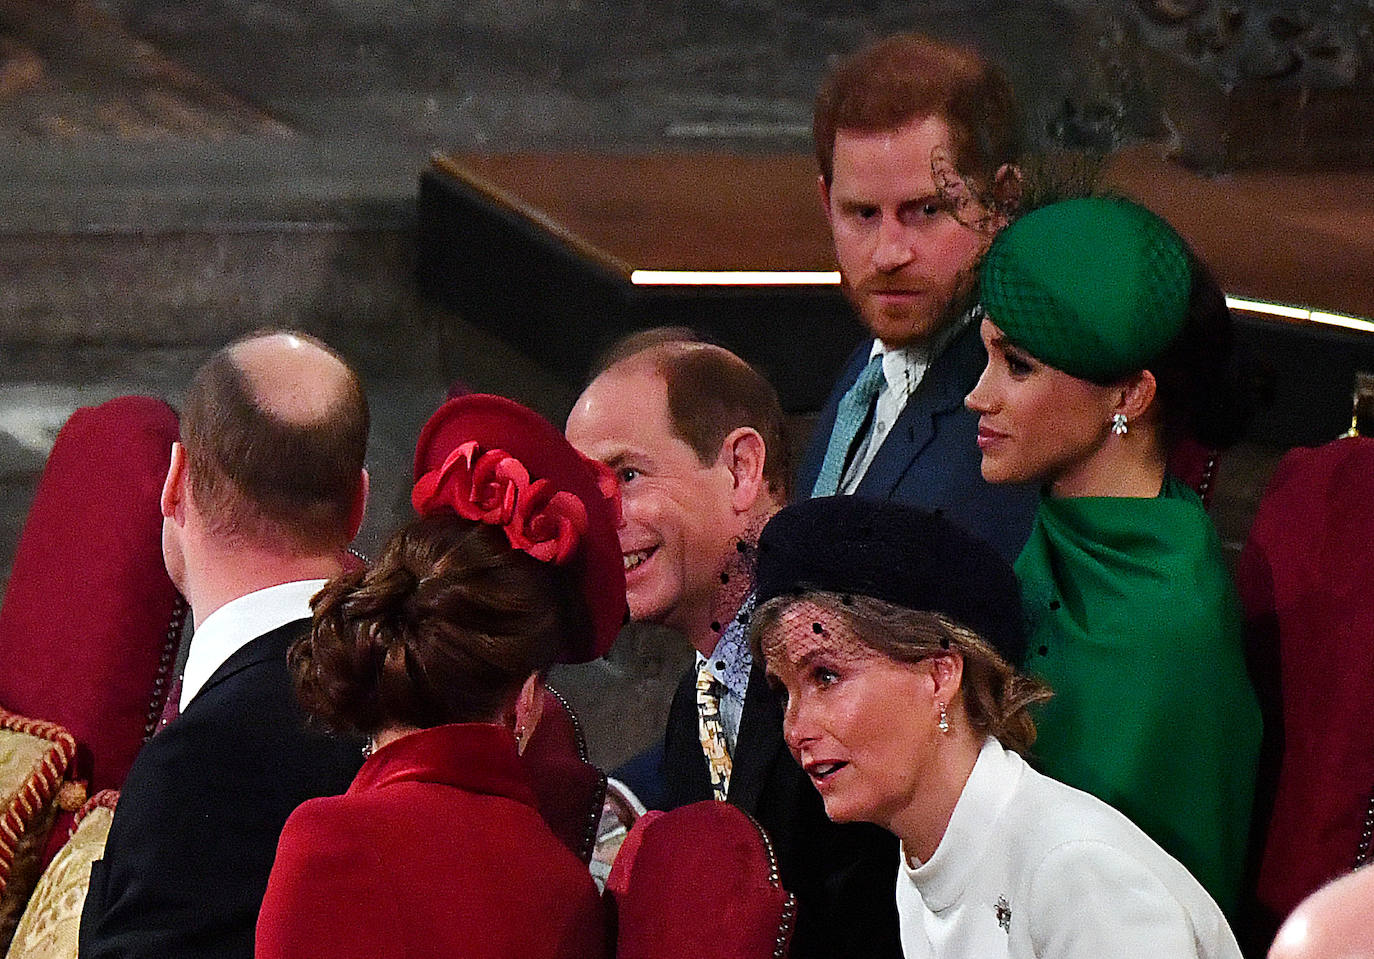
(1119,427)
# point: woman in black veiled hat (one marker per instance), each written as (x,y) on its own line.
(891,634)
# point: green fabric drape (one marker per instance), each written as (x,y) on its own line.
(1136,627)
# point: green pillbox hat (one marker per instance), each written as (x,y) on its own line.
(1097,287)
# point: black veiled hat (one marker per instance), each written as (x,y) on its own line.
(897,553)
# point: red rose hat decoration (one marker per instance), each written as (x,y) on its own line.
(548,523)
(491,460)
(494,487)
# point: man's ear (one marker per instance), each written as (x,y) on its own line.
(1008,187)
(823,189)
(359,507)
(744,454)
(173,496)
(1137,393)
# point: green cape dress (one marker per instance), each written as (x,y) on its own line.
(1135,625)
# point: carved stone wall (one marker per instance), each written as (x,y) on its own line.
(1226,83)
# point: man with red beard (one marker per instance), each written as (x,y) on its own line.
(917,143)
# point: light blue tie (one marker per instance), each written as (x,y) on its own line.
(849,419)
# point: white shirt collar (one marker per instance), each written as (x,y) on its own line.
(901,366)
(941,879)
(239,622)
(904,368)
(730,663)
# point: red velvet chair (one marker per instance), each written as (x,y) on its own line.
(90,623)
(1196,465)
(673,865)
(569,789)
(1306,577)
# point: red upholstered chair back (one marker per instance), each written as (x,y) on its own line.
(1196,465)
(674,865)
(90,621)
(1306,577)
(570,790)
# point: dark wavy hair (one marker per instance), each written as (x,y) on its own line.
(1199,383)
(445,628)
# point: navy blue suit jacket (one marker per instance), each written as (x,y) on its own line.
(196,828)
(930,457)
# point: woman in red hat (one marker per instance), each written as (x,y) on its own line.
(435,654)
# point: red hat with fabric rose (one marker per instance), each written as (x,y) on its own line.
(492,460)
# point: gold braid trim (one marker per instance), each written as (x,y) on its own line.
(38,788)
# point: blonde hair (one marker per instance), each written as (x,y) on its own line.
(997,697)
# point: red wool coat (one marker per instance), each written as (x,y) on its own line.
(435,850)
(1307,579)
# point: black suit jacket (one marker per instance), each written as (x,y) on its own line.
(196,828)
(844,876)
(930,457)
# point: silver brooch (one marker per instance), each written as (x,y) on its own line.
(1003,910)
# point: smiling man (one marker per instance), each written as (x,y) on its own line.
(695,438)
(917,143)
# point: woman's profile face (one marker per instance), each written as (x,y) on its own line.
(1037,423)
(862,725)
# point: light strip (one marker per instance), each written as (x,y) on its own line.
(1300,313)
(1272,309)
(734,278)
(1340,319)
(740,129)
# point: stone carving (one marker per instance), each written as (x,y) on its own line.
(1274,41)
(1224,82)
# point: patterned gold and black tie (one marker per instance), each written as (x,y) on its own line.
(712,732)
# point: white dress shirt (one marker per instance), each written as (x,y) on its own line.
(239,622)
(730,663)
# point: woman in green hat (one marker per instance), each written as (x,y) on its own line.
(1106,341)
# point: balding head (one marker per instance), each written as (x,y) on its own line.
(710,392)
(1333,923)
(275,430)
(293,377)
